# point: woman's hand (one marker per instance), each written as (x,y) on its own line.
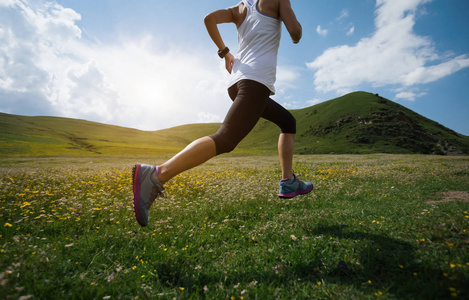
(229,61)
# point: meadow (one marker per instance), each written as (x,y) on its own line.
(375,227)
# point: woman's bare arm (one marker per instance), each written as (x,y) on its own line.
(289,19)
(229,15)
(212,20)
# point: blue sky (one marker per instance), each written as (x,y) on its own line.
(151,64)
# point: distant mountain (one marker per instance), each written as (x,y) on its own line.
(357,123)
(362,122)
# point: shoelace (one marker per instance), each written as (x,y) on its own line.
(155,193)
(297,179)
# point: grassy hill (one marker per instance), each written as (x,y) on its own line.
(39,136)
(355,123)
(362,122)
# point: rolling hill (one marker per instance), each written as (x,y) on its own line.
(356,123)
(362,122)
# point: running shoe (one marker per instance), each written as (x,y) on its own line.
(146,189)
(292,187)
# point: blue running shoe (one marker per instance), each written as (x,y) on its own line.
(146,189)
(292,187)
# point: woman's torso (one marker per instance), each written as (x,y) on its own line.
(259,38)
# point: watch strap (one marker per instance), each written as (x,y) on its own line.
(224,52)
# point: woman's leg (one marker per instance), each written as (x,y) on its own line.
(290,186)
(196,153)
(286,147)
(249,102)
(148,180)
(250,99)
(277,114)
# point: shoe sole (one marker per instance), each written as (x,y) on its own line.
(136,187)
(295,193)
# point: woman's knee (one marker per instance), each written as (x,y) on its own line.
(224,144)
(289,124)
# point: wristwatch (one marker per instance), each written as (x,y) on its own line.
(224,52)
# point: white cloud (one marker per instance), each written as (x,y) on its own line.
(291,105)
(351,31)
(163,88)
(135,82)
(29,39)
(320,31)
(393,55)
(287,76)
(409,94)
(314,102)
(435,72)
(205,117)
(343,15)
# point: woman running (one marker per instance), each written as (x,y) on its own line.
(253,74)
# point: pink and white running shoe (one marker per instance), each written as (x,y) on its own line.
(147,188)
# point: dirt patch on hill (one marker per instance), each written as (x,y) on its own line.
(451,196)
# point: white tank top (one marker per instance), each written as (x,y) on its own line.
(259,39)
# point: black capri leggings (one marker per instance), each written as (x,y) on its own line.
(251,101)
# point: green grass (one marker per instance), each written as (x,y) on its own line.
(367,231)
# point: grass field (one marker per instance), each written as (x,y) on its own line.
(375,227)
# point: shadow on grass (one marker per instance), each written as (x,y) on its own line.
(385,265)
(354,263)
